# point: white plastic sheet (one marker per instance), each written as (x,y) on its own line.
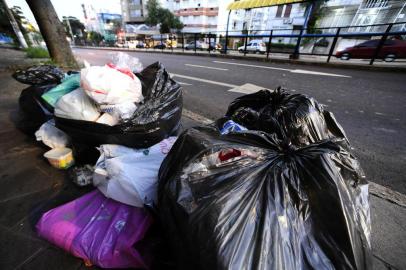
(76,105)
(130,175)
(52,136)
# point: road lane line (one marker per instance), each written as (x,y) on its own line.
(302,71)
(298,71)
(203,80)
(190,65)
(247,88)
(249,65)
(196,117)
(183,83)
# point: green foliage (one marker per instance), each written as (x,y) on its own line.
(94,37)
(162,16)
(36,52)
(315,15)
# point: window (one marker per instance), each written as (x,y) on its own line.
(279,12)
(371,43)
(288,9)
(135,13)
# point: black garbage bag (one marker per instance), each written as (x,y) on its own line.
(250,201)
(155,119)
(39,75)
(33,110)
(294,116)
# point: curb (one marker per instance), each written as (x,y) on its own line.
(270,60)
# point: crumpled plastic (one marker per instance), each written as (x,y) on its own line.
(52,136)
(99,230)
(39,75)
(129,175)
(155,119)
(248,200)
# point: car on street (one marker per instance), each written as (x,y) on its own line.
(392,49)
(254,46)
(160,46)
(199,46)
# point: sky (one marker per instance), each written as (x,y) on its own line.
(69,7)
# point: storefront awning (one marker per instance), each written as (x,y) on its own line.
(246,4)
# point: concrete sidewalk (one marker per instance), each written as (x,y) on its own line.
(30,186)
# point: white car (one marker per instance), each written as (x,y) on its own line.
(255,46)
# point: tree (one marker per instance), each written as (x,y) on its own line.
(162,16)
(94,37)
(77,27)
(315,12)
(53,32)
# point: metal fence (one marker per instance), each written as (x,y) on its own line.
(321,42)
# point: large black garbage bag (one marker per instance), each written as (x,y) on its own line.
(250,201)
(294,116)
(155,119)
(39,75)
(33,110)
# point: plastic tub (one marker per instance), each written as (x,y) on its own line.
(60,158)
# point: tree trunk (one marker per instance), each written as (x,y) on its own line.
(53,32)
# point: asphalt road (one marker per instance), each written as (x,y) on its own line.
(370,105)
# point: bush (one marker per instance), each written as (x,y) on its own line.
(37,52)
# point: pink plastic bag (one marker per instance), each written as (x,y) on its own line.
(97,229)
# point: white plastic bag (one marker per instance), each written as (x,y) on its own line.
(76,105)
(121,111)
(129,175)
(52,136)
(124,60)
(107,85)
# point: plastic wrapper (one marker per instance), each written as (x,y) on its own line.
(125,61)
(156,118)
(291,116)
(68,84)
(99,230)
(39,75)
(247,200)
(33,110)
(52,136)
(129,175)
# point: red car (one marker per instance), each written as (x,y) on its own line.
(390,50)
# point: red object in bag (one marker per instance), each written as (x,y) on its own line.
(228,154)
(126,71)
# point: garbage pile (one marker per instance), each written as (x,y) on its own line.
(271,185)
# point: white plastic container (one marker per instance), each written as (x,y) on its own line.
(60,158)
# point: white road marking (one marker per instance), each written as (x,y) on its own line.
(299,71)
(90,53)
(247,88)
(378,113)
(196,117)
(249,65)
(204,80)
(183,83)
(302,71)
(190,65)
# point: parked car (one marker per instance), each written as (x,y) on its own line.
(160,46)
(199,46)
(140,44)
(255,46)
(390,50)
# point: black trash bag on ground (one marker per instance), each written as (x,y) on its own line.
(155,119)
(250,201)
(294,116)
(39,75)
(33,110)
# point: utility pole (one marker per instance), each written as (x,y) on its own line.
(14,24)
